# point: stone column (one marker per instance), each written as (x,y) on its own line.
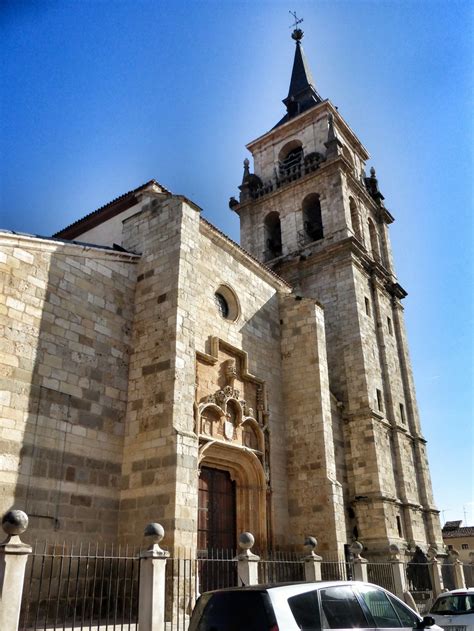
(435,571)
(458,571)
(312,562)
(247,562)
(398,571)
(151,598)
(359,563)
(13,557)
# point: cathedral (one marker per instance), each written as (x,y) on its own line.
(153,369)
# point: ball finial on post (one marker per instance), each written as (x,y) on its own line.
(14,523)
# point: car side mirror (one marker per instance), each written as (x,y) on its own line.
(427,621)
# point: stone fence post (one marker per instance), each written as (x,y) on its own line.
(458,570)
(312,562)
(13,557)
(398,571)
(247,562)
(436,574)
(400,577)
(151,597)
(359,563)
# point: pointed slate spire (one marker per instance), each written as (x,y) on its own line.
(302,94)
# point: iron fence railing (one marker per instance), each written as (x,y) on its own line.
(79,587)
(447,572)
(280,567)
(419,585)
(181,590)
(381,574)
(89,588)
(216,569)
(334,571)
(469,574)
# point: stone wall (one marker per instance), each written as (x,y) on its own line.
(315,494)
(65,316)
(256,331)
(369,369)
(184,262)
(159,446)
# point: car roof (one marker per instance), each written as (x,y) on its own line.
(466,590)
(298,587)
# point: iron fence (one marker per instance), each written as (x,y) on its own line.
(280,567)
(90,588)
(216,569)
(80,588)
(381,574)
(335,571)
(447,572)
(469,574)
(419,584)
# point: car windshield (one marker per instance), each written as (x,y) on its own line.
(454,604)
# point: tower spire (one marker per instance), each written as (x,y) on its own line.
(302,94)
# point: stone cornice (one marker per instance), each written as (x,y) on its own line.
(58,247)
(304,119)
(374,271)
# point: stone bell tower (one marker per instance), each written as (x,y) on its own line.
(311,213)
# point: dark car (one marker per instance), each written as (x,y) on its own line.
(304,606)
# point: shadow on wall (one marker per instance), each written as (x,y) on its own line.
(66,340)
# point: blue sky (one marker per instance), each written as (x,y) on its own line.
(97,97)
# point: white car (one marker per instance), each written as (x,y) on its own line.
(454,610)
(305,606)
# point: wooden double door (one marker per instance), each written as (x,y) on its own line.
(216,529)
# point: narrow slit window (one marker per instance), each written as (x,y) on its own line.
(379,400)
(367,306)
(402,413)
(399,526)
(389,325)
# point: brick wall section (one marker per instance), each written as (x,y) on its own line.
(65,316)
(315,495)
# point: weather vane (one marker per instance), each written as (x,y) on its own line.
(297,21)
(297,34)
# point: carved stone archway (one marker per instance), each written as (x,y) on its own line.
(247,471)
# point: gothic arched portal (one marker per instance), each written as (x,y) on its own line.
(246,473)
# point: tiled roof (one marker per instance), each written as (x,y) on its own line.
(452,525)
(465,531)
(116,206)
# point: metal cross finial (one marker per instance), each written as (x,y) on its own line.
(297,21)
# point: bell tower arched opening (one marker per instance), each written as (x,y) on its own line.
(273,245)
(312,219)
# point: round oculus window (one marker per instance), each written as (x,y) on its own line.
(227,303)
(222,304)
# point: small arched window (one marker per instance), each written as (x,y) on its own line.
(374,242)
(273,247)
(355,218)
(312,219)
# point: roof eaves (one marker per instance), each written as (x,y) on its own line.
(117,205)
